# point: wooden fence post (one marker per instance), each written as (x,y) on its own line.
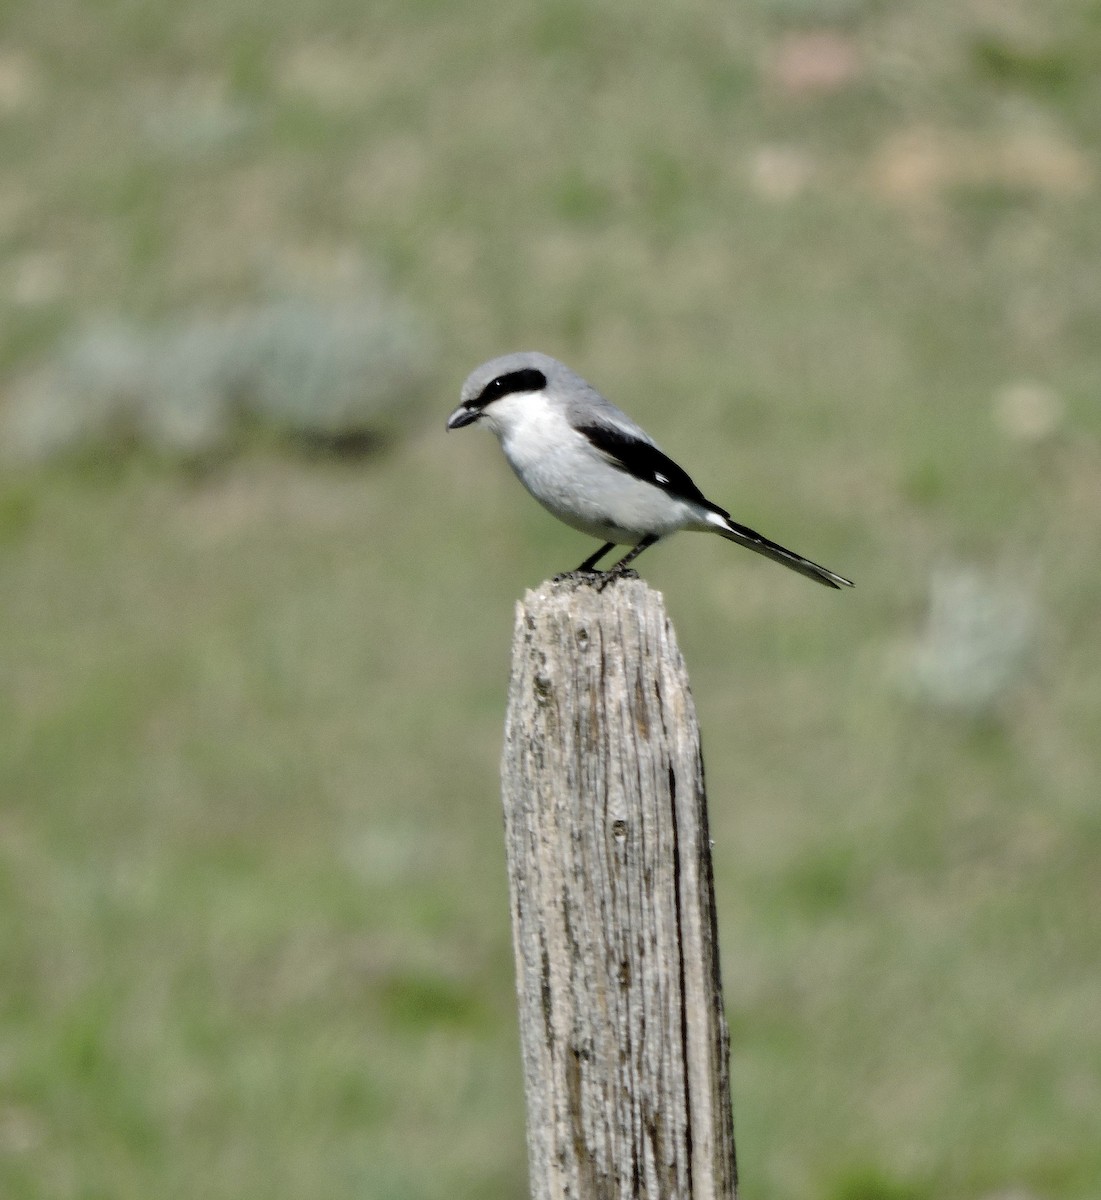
(613,916)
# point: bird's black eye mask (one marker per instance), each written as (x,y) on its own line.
(527,380)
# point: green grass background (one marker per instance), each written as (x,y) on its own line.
(255,932)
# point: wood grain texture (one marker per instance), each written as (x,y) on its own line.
(622,1030)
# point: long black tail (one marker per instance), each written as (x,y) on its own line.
(752,540)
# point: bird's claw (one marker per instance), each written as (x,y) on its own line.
(578,576)
(611,576)
(598,580)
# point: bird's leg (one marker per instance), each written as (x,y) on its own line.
(590,563)
(630,557)
(622,567)
(588,567)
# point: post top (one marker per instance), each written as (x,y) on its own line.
(593,593)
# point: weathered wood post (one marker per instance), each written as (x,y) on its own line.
(613,916)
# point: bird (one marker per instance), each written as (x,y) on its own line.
(594,468)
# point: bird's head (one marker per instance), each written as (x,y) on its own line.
(493,391)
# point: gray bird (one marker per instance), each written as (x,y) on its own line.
(592,467)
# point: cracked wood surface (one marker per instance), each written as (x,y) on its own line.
(622,1030)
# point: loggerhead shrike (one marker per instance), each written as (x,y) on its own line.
(592,467)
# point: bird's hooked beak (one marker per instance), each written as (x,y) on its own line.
(463,416)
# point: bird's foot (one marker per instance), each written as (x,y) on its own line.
(577,576)
(613,576)
(595,579)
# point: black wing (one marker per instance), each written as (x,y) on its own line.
(645,461)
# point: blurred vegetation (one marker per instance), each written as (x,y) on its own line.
(334,376)
(841,258)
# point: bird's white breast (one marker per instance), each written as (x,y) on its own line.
(573,480)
